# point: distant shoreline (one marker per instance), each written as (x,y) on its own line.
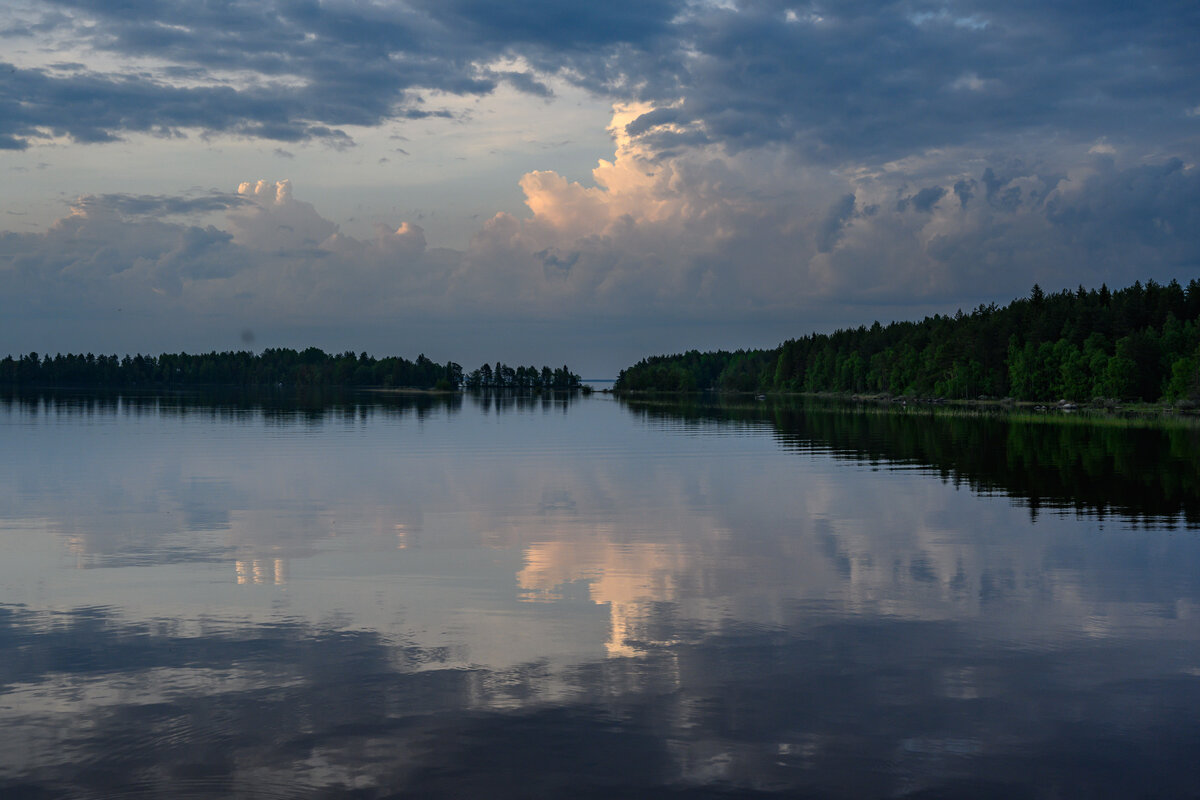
(1137,344)
(1099,410)
(273,367)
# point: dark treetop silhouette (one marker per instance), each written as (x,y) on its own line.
(310,367)
(1139,342)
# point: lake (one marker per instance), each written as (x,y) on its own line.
(442,596)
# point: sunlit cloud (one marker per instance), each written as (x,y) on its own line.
(703,231)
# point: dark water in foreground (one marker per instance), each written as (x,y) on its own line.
(425,597)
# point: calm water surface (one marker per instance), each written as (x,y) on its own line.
(382,596)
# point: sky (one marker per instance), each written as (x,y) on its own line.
(576,182)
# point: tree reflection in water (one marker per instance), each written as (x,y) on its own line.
(501,596)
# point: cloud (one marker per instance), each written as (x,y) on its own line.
(868,81)
(275,257)
(1148,214)
(834,222)
(94,108)
(272,220)
(525,82)
(755,237)
(556,24)
(925,199)
(709,232)
(158,205)
(292,72)
(673,235)
(1103,223)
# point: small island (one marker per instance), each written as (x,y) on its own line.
(307,368)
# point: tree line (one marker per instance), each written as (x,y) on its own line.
(1140,342)
(503,376)
(311,367)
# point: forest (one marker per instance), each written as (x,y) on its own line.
(1137,343)
(311,367)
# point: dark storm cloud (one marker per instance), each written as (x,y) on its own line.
(870,80)
(305,68)
(1149,211)
(927,198)
(922,201)
(555,24)
(93,108)
(964,190)
(1006,231)
(524,82)
(853,80)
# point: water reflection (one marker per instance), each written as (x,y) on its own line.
(530,599)
(1147,473)
(95,706)
(261,570)
(284,405)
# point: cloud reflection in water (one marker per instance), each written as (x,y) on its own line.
(595,603)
